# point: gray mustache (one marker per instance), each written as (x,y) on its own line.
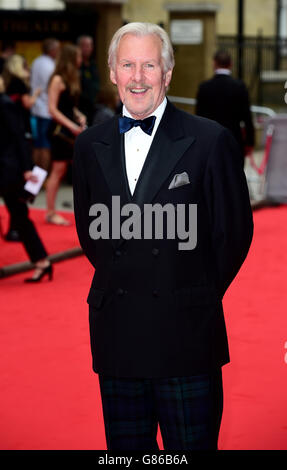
(138,85)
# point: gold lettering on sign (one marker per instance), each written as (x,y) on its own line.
(37,26)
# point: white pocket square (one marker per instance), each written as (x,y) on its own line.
(179,180)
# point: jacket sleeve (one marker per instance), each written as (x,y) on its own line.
(82,203)
(200,102)
(230,214)
(14,127)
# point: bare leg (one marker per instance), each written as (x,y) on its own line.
(37,156)
(58,171)
(45,159)
(42,157)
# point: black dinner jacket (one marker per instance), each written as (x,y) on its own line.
(225,99)
(155,310)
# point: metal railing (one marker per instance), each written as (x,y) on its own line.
(255,57)
(261,110)
(255,181)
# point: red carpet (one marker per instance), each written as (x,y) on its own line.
(49,396)
(55,238)
(255,411)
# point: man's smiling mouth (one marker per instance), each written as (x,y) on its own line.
(138,90)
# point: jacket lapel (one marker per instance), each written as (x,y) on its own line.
(168,146)
(110,155)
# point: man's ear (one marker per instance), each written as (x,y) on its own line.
(167,79)
(113,77)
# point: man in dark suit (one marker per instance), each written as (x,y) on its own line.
(90,80)
(225,100)
(157,327)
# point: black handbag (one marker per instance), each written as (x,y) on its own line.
(64,134)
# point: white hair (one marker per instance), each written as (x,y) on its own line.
(142,29)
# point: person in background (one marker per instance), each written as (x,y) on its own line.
(16,77)
(8,49)
(15,169)
(17,85)
(106,106)
(226,100)
(41,71)
(63,95)
(89,78)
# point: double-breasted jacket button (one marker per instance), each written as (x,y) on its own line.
(155,251)
(120,291)
(155,293)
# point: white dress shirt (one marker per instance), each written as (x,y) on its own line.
(223,71)
(137,145)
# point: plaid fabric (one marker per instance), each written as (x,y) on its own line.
(187,409)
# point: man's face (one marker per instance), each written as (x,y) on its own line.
(139,74)
(86,46)
(54,52)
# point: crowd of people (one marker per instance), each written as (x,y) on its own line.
(42,109)
(157,328)
(46,106)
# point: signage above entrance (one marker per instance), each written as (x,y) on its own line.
(186,31)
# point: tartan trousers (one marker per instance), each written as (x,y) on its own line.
(187,409)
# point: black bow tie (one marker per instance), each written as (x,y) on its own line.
(126,123)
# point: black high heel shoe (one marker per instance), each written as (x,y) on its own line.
(48,270)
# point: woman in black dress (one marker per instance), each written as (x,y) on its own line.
(63,95)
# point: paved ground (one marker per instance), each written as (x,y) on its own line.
(64,200)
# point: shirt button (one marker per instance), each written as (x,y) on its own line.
(120,291)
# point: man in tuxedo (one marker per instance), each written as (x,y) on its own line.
(226,100)
(157,329)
